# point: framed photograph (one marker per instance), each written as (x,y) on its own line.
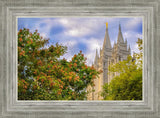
(63,68)
(79,59)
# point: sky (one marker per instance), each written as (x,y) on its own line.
(86,34)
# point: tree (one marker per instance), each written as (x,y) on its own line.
(43,76)
(128,85)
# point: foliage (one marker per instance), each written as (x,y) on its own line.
(43,76)
(139,56)
(128,85)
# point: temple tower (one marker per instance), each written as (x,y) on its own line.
(108,55)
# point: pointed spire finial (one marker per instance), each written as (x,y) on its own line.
(96,52)
(101,52)
(125,40)
(120,36)
(129,49)
(106,42)
(106,25)
(96,58)
(119,27)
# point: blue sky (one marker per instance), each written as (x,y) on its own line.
(86,34)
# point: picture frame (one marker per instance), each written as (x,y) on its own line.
(9,106)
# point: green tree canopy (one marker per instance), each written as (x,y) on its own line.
(43,76)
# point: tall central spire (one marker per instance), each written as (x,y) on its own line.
(119,28)
(120,37)
(96,58)
(106,43)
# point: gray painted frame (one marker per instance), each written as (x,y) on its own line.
(149,107)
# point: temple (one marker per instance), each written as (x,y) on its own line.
(108,55)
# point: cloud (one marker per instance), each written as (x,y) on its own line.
(132,35)
(80,27)
(134,49)
(89,52)
(44,35)
(133,23)
(92,44)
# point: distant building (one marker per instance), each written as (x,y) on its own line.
(108,55)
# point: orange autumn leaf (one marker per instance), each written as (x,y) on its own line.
(51,84)
(22,53)
(75,65)
(20,39)
(35,72)
(37,78)
(39,62)
(34,87)
(70,78)
(23,80)
(31,41)
(25,87)
(59,92)
(49,71)
(94,76)
(66,69)
(61,86)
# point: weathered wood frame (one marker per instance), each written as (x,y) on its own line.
(149,107)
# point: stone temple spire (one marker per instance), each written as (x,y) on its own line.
(120,37)
(106,43)
(96,58)
(114,43)
(126,40)
(129,49)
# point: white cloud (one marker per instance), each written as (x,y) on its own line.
(139,36)
(78,32)
(133,23)
(91,45)
(131,36)
(134,49)
(44,35)
(48,25)
(80,27)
